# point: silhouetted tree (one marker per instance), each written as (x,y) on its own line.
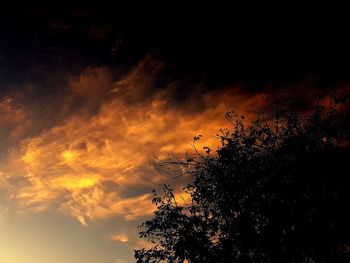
(276,190)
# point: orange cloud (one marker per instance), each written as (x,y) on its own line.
(92,83)
(88,164)
(120,238)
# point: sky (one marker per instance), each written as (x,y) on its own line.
(89,96)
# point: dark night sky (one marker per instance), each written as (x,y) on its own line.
(219,47)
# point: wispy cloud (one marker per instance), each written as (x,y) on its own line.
(120,238)
(93,161)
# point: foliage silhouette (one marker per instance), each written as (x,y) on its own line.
(276,190)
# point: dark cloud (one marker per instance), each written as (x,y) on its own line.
(216,46)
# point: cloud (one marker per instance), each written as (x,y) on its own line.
(120,238)
(12,117)
(92,83)
(92,161)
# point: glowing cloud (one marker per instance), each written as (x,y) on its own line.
(88,164)
(120,238)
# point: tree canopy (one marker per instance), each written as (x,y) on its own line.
(276,190)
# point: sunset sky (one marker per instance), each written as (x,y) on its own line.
(89,96)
